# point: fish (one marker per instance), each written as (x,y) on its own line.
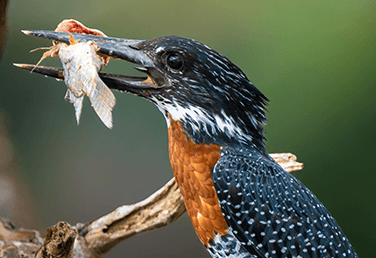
(81,64)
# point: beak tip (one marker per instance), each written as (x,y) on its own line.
(19,65)
(25,66)
(27,32)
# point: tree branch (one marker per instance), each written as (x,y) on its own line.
(96,238)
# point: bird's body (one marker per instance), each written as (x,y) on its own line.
(243,204)
(240,201)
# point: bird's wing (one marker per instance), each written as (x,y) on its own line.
(271,212)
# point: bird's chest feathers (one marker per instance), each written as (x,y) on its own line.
(192,165)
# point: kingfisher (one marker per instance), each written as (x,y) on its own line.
(241,203)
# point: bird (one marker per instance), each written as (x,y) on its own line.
(241,203)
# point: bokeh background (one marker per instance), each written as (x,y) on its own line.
(315,60)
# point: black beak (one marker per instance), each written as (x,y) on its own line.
(125,49)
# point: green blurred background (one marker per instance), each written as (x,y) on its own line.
(315,60)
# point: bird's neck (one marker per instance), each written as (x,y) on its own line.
(219,129)
(192,165)
(231,128)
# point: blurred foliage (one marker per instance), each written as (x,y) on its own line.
(315,60)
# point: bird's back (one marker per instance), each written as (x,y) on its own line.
(270,212)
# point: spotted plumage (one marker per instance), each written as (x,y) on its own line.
(242,204)
(270,212)
(228,246)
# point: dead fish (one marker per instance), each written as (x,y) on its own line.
(81,65)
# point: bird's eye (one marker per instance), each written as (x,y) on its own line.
(174,61)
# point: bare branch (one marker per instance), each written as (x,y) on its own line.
(18,242)
(287,161)
(95,239)
(158,210)
(59,241)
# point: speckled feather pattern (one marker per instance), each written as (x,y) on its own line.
(270,212)
(228,246)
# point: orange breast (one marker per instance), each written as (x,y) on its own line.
(192,165)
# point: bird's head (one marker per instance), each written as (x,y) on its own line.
(210,96)
(189,82)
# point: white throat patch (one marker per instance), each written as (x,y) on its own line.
(201,120)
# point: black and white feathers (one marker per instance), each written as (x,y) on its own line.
(270,212)
(208,94)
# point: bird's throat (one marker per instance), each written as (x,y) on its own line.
(192,165)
